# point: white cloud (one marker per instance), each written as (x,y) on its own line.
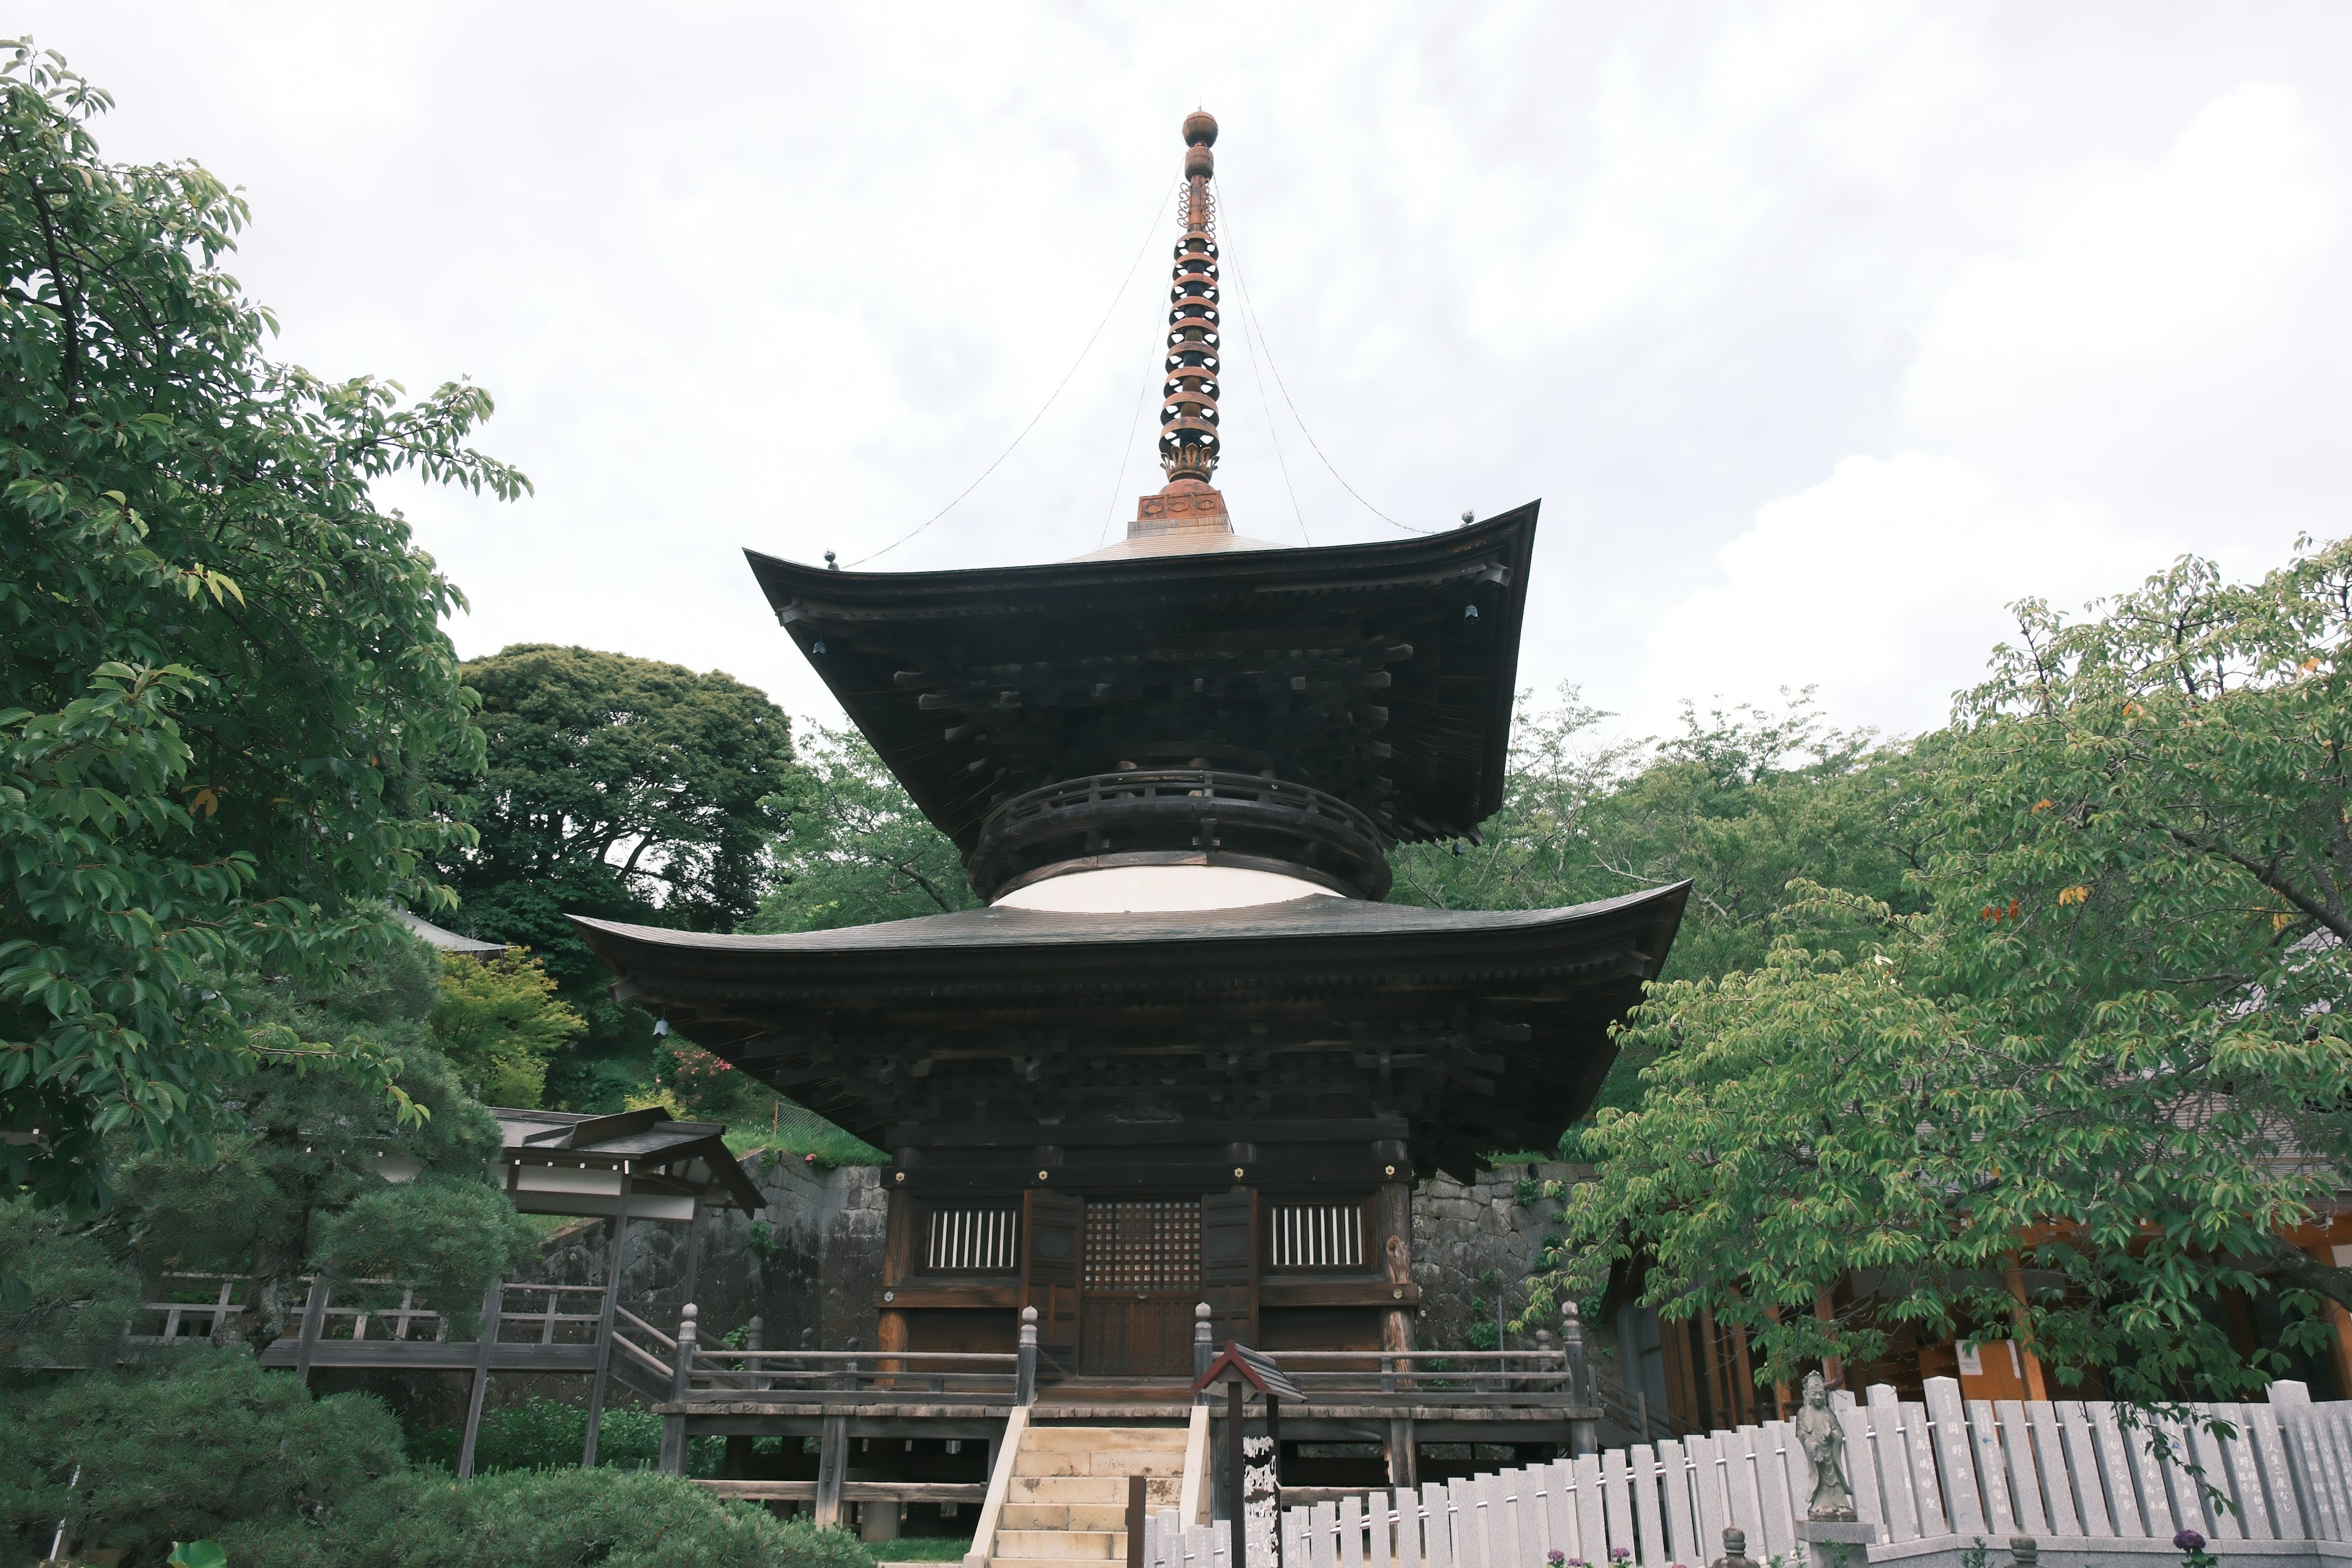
(1885,585)
(2128,267)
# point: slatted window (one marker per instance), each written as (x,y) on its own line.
(1321,1235)
(1143,1245)
(972,1241)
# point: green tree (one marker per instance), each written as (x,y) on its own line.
(1740,801)
(224,667)
(72,1296)
(855,849)
(621,788)
(200,1445)
(497,1022)
(2100,1077)
(180,1452)
(314,1171)
(543,1518)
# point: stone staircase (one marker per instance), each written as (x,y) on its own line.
(1068,1498)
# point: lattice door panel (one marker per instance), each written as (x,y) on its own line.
(1141,1276)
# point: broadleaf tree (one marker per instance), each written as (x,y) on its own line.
(854,849)
(2100,1077)
(224,670)
(621,788)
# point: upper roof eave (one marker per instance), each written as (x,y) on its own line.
(1304,943)
(984,589)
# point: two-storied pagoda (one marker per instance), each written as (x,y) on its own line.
(1185,1053)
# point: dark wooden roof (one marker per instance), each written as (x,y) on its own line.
(1382,673)
(1483,1029)
(662,1156)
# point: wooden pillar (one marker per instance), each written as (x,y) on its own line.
(1743,1399)
(612,1261)
(314,1319)
(1825,1309)
(832,1468)
(1392,1242)
(2035,1388)
(898,1263)
(493,1308)
(693,1251)
(2336,1315)
(1711,1364)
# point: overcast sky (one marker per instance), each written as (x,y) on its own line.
(1820,330)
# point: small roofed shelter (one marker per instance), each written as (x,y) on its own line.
(1241,1369)
(638,1165)
(633,1166)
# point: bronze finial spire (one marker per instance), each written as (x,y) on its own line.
(1188,446)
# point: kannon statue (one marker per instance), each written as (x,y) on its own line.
(1820,1434)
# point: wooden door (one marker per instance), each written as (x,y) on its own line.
(1141,1280)
(1229,1263)
(1049,1275)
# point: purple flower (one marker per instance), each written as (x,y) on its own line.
(2188,1540)
(1556,1558)
(1619,1553)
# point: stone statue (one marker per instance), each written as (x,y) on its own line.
(1735,1550)
(1822,1437)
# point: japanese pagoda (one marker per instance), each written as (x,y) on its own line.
(1186,1052)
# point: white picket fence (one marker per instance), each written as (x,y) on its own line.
(2071,1474)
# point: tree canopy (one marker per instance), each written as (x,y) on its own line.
(226,681)
(2100,1074)
(623,788)
(854,849)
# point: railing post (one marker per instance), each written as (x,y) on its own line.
(753,1340)
(610,1304)
(673,1448)
(486,1340)
(1584,1433)
(1204,1351)
(314,1319)
(1025,1370)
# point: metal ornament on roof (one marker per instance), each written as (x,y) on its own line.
(1188,412)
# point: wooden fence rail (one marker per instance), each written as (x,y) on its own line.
(2080,1477)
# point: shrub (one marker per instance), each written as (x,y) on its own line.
(182,1451)
(545,1519)
(547,1433)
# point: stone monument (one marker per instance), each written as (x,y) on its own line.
(1830,1521)
(1735,1550)
(1823,1437)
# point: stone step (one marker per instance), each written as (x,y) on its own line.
(1060,1516)
(1079,1437)
(1162,1491)
(1115,1463)
(1060,1545)
(999,1561)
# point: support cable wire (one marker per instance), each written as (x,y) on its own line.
(1091,340)
(1224,206)
(1126,452)
(1267,405)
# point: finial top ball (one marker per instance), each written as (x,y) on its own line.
(1200,129)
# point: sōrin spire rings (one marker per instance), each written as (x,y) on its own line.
(1188,412)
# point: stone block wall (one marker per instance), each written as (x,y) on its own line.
(1461,1231)
(807,1265)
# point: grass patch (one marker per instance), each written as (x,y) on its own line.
(920,1549)
(795,1132)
